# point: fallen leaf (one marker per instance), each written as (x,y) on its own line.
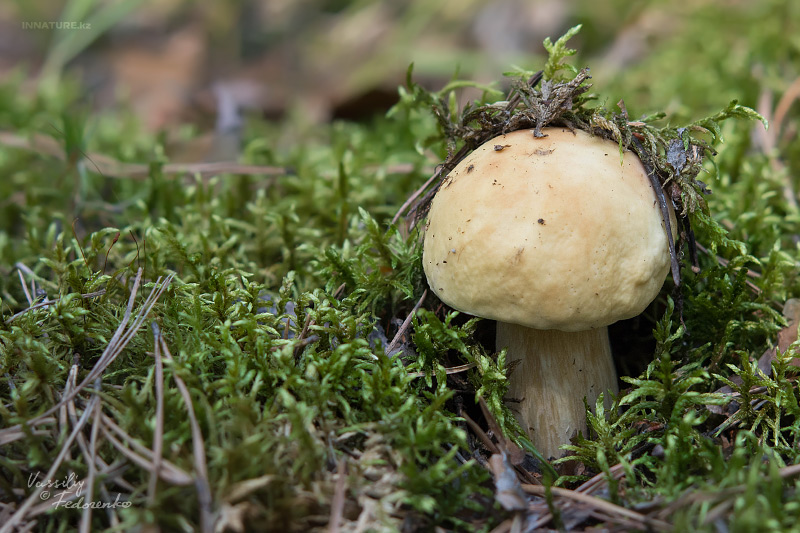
(788,335)
(508,491)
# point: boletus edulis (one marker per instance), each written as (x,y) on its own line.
(555,238)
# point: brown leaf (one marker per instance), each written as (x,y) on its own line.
(509,492)
(159,79)
(788,335)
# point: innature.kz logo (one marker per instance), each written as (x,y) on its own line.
(61,25)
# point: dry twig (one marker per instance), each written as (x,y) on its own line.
(158,436)
(610,509)
(448,371)
(337,505)
(122,336)
(141,455)
(406,324)
(22,511)
(50,302)
(110,167)
(198,448)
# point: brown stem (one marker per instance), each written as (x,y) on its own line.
(556,370)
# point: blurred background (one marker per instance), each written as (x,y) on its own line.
(183,61)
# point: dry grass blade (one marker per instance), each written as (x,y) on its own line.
(504,526)
(448,371)
(112,168)
(25,288)
(63,413)
(411,199)
(10,435)
(158,436)
(695,497)
(302,337)
(481,434)
(20,514)
(120,332)
(406,324)
(769,138)
(621,522)
(337,505)
(213,168)
(719,502)
(790,471)
(786,101)
(242,489)
(168,472)
(70,411)
(601,505)
(88,449)
(601,480)
(718,511)
(86,518)
(51,302)
(724,262)
(201,483)
(597,483)
(24,268)
(515,524)
(122,336)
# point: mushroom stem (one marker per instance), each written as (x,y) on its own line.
(555,371)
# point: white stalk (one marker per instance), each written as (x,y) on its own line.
(556,370)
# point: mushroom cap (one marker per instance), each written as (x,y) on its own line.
(550,233)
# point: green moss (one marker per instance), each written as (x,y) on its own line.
(288,288)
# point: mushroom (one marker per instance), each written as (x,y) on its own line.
(555,238)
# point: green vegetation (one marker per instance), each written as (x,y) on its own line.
(259,347)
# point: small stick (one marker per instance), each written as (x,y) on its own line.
(786,101)
(112,168)
(339,290)
(86,517)
(169,472)
(484,438)
(198,449)
(300,340)
(34,496)
(337,505)
(51,302)
(406,324)
(25,288)
(448,371)
(122,336)
(598,503)
(158,437)
(414,196)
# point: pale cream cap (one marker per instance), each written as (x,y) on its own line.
(549,233)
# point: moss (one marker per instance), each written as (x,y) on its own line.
(283,292)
